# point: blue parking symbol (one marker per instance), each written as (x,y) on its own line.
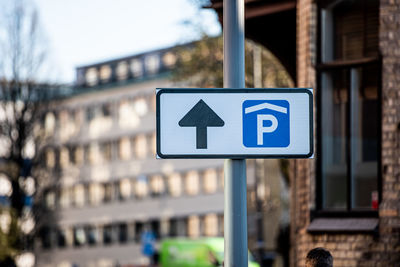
(266,123)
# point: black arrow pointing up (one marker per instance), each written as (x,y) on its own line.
(201,116)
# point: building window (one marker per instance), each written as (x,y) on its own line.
(123,233)
(79,155)
(193,226)
(173,227)
(122,71)
(169,59)
(65,198)
(50,158)
(80,76)
(127,116)
(105,150)
(45,236)
(79,236)
(210,181)
(79,193)
(153,142)
(64,157)
(49,124)
(124,148)
(153,103)
(152,63)
(96,193)
(136,67)
(86,153)
(50,200)
(98,111)
(69,236)
(108,193)
(192,183)
(140,106)
(61,238)
(105,73)
(66,125)
(71,155)
(125,189)
(349,30)
(106,110)
(107,234)
(94,153)
(79,117)
(92,235)
(157,185)
(178,227)
(221,178)
(141,187)
(349,77)
(138,231)
(155,227)
(90,113)
(140,143)
(164,227)
(221,224)
(99,153)
(175,185)
(211,225)
(91,76)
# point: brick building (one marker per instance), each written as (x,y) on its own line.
(347,198)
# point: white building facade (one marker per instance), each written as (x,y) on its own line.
(109,186)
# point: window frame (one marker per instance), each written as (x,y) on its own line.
(321,67)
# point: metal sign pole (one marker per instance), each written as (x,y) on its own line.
(235,206)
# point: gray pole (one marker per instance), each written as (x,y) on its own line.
(258,83)
(235,206)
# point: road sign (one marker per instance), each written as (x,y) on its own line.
(266,123)
(148,240)
(234,123)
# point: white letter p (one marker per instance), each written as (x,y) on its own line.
(261,129)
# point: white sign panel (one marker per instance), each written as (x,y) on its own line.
(234,123)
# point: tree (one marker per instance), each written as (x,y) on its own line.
(23,101)
(201,65)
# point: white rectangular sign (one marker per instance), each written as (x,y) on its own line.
(234,123)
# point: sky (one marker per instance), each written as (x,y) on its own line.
(81,32)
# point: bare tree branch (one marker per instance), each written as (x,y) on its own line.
(23,101)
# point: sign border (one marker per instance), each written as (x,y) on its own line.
(160,91)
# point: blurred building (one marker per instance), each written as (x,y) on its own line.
(109,187)
(346,199)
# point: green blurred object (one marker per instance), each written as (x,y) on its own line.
(202,252)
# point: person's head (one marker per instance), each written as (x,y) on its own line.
(319,257)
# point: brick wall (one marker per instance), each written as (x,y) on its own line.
(301,181)
(389,208)
(383,248)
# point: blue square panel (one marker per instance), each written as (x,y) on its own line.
(266,123)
